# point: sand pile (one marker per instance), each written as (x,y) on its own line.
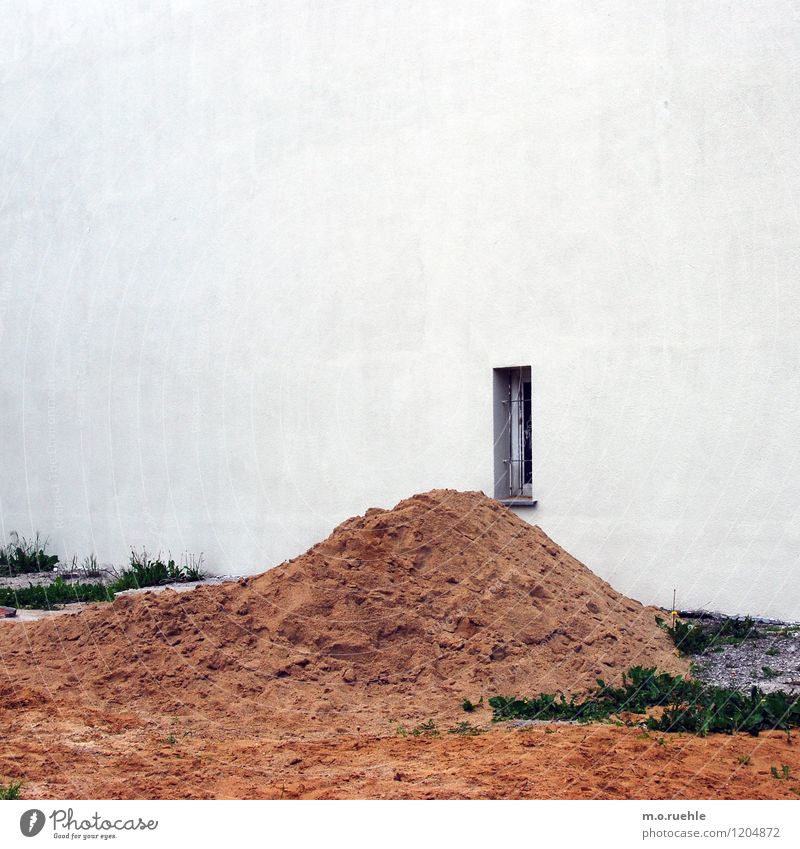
(448,595)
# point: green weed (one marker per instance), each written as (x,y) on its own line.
(50,596)
(11,790)
(22,556)
(89,567)
(466,729)
(147,571)
(688,706)
(144,571)
(425,729)
(783,775)
(698,637)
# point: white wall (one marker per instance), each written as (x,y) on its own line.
(259,259)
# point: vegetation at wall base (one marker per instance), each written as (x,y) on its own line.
(144,571)
(687,706)
(22,556)
(51,596)
(695,638)
(147,571)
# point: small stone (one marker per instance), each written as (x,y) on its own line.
(349,675)
(7,612)
(498,653)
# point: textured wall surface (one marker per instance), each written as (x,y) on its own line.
(259,259)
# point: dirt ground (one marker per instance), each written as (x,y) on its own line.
(67,749)
(306,681)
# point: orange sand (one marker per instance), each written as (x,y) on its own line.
(292,683)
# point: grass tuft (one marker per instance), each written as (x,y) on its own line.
(695,638)
(466,729)
(10,791)
(50,596)
(22,556)
(147,571)
(425,729)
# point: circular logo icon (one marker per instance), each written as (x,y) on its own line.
(31,822)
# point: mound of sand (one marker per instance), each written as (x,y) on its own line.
(397,613)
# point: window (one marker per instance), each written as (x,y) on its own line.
(513,454)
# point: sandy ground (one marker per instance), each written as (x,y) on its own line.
(295,683)
(67,749)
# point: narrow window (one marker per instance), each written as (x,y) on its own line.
(513,455)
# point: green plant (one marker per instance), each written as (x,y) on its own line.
(89,567)
(147,571)
(642,688)
(783,630)
(466,729)
(192,567)
(769,672)
(744,760)
(783,775)
(425,729)
(772,652)
(11,790)
(171,739)
(698,637)
(469,706)
(686,705)
(50,596)
(22,556)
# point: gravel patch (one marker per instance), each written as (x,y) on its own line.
(104,576)
(769,660)
(183,586)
